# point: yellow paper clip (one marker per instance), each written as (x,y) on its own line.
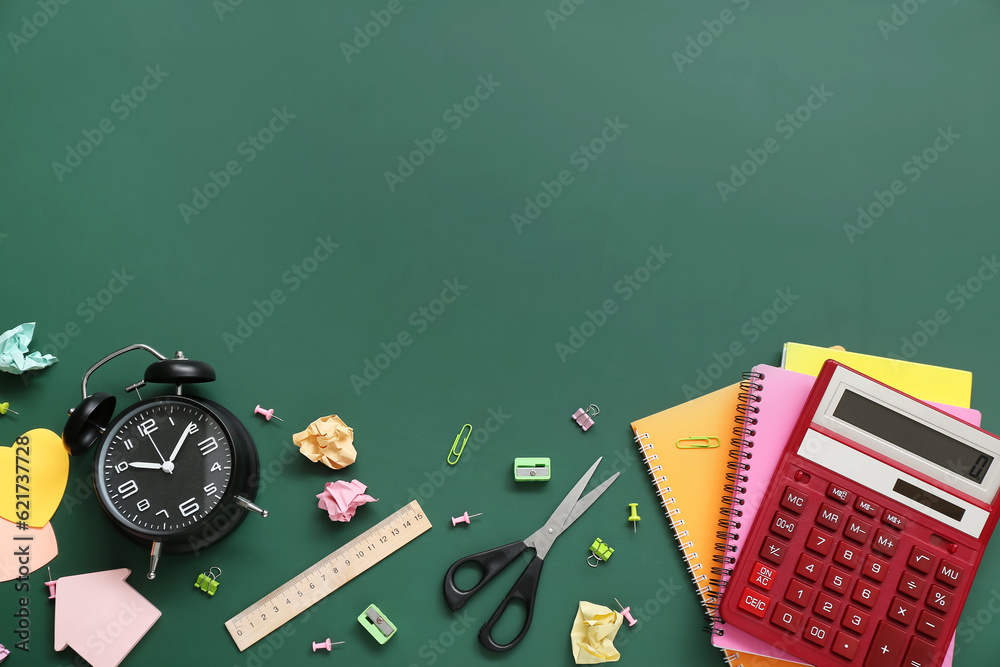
(705,440)
(461,449)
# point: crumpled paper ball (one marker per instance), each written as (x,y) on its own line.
(342,499)
(593,634)
(328,440)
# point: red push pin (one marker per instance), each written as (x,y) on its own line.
(51,584)
(455,520)
(267,413)
(328,645)
(626,614)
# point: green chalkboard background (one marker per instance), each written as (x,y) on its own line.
(739,138)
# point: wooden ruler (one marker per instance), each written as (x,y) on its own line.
(291,599)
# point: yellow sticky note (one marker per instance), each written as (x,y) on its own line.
(593,634)
(33,475)
(928,383)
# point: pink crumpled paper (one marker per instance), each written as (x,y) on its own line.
(342,499)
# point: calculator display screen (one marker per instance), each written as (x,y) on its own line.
(924,441)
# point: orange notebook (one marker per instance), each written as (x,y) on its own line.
(687,451)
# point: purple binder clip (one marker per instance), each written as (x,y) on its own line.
(585,418)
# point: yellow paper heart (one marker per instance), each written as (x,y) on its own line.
(36,466)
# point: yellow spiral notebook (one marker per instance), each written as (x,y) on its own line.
(686,449)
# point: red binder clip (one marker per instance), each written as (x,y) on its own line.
(585,418)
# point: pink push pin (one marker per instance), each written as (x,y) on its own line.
(328,645)
(267,413)
(585,418)
(455,520)
(51,584)
(626,614)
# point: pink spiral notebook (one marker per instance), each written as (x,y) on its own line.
(782,395)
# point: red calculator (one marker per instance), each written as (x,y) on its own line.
(869,537)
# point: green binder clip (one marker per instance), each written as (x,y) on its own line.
(532,470)
(377,625)
(600,552)
(208,581)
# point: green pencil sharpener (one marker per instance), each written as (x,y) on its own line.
(532,469)
(377,625)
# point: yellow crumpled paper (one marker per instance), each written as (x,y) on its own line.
(593,634)
(328,440)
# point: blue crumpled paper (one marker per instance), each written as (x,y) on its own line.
(14,355)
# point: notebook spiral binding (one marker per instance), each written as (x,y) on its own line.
(655,470)
(736,478)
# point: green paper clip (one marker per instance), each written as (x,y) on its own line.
(706,440)
(461,449)
(208,581)
(377,625)
(599,551)
(532,470)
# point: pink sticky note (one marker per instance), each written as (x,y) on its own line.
(100,616)
(40,544)
(341,499)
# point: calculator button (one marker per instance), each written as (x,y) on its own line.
(838,493)
(920,653)
(793,500)
(948,573)
(902,611)
(819,541)
(910,585)
(827,606)
(754,602)
(929,624)
(920,560)
(876,568)
(893,519)
(836,580)
(828,517)
(762,575)
(855,619)
(783,524)
(816,632)
(887,646)
(847,555)
(866,507)
(808,567)
(786,618)
(940,599)
(857,530)
(864,593)
(798,592)
(845,645)
(884,543)
(772,550)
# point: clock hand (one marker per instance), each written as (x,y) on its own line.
(177,447)
(156,448)
(148,466)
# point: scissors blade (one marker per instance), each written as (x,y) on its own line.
(567,512)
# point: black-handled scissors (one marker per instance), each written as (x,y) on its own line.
(495,560)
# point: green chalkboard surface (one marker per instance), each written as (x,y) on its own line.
(418,215)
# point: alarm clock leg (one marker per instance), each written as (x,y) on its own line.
(154,559)
(243,502)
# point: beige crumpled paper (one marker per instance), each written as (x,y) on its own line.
(593,634)
(328,440)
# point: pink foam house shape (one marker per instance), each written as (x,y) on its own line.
(100,616)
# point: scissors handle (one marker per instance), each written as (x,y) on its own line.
(523,589)
(491,561)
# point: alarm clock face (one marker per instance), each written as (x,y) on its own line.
(163,466)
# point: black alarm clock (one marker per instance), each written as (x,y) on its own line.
(174,472)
